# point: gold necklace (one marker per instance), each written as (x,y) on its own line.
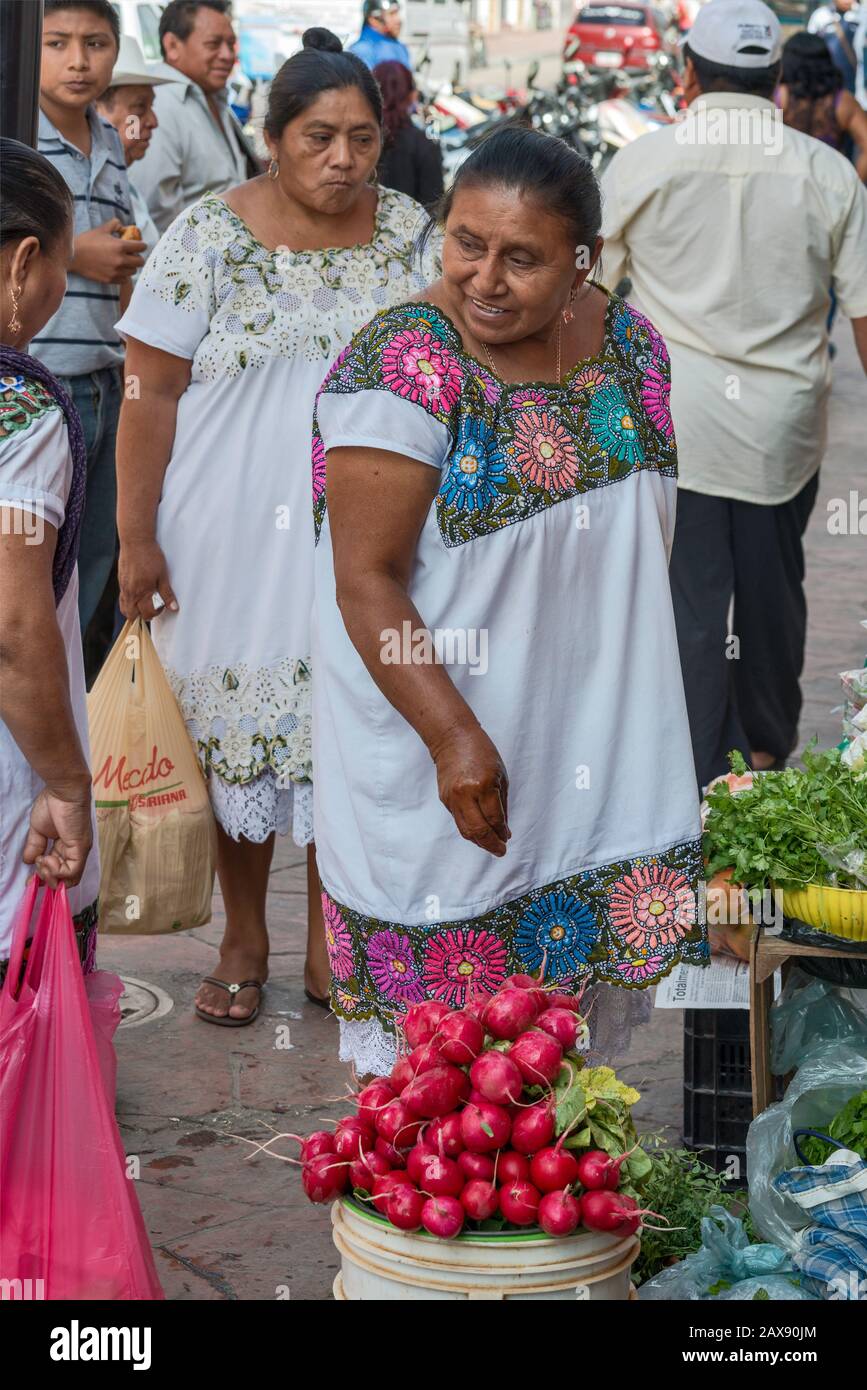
(559,335)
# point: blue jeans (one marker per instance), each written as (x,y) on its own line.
(97,397)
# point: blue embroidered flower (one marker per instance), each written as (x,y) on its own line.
(11,383)
(626,328)
(476,468)
(611,423)
(559,929)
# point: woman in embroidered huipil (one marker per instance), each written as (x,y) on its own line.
(504,775)
(240,310)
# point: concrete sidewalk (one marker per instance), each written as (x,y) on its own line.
(228,1226)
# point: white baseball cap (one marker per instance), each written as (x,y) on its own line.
(724,28)
(131,70)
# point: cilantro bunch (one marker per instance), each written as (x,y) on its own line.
(785,828)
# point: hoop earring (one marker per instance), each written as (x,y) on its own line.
(273,170)
(15,324)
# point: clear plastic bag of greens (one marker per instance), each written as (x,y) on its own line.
(819,1089)
(809,1016)
(724,1259)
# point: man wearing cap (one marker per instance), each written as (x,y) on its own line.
(379,41)
(128,104)
(198,146)
(732,227)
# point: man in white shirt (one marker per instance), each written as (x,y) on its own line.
(198,145)
(733,228)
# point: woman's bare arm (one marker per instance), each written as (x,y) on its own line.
(377,504)
(853,118)
(145,437)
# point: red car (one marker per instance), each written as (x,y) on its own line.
(617,36)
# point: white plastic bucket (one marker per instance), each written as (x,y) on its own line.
(379,1262)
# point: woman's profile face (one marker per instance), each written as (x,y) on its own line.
(326,154)
(508,265)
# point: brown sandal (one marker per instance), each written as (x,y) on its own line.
(224,1020)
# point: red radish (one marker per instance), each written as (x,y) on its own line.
(527,982)
(533,1128)
(613,1212)
(320,1142)
(416,1157)
(443,1217)
(436,1092)
(538,1057)
(372,1099)
(479,1166)
(480,1200)
(351,1136)
(475,1097)
(324,1178)
(460,1038)
(404,1208)
(395,1158)
(553,1169)
(562,1024)
(401,1075)
(510,1012)
(384,1186)
(485,1127)
(594,1168)
(363,1170)
(497,1077)
(423,1020)
(519,1202)
(444,1135)
(397,1125)
(512,1167)
(564,1001)
(441,1177)
(424,1058)
(559,1213)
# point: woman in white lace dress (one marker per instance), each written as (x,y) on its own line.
(242,307)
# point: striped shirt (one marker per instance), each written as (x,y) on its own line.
(81,337)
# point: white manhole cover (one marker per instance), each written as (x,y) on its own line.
(142,1002)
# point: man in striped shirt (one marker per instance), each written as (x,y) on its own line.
(79,344)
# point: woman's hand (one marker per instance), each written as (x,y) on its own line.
(142,572)
(473,786)
(61,814)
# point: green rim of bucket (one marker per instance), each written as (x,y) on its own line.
(533,1234)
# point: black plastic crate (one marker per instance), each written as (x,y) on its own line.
(717,1086)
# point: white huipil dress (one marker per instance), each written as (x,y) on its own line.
(260,328)
(541,573)
(35,478)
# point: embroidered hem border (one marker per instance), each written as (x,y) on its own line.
(628,924)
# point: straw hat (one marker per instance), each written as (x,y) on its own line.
(131,70)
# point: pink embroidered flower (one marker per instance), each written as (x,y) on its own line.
(459,964)
(640,969)
(318,467)
(655,394)
(338,941)
(393,968)
(347,1002)
(490,388)
(653,906)
(545,451)
(416,365)
(589,377)
(529,398)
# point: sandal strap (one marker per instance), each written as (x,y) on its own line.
(234,988)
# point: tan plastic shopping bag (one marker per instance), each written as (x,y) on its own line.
(157,838)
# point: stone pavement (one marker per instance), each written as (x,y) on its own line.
(229,1226)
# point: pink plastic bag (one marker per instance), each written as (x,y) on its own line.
(69,1216)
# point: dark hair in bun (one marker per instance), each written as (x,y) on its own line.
(321,39)
(320,66)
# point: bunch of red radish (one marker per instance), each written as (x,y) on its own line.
(451,1136)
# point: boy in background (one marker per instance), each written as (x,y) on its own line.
(79,344)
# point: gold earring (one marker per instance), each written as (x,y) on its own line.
(273,169)
(15,322)
(568,315)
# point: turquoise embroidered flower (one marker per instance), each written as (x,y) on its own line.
(626,328)
(560,930)
(476,469)
(612,425)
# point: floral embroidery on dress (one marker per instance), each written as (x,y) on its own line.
(243,722)
(21,403)
(628,923)
(515,450)
(338,941)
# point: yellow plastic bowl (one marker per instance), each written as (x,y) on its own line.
(838,911)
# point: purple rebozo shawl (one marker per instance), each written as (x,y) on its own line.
(14,363)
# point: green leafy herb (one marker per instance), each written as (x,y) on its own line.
(848,1127)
